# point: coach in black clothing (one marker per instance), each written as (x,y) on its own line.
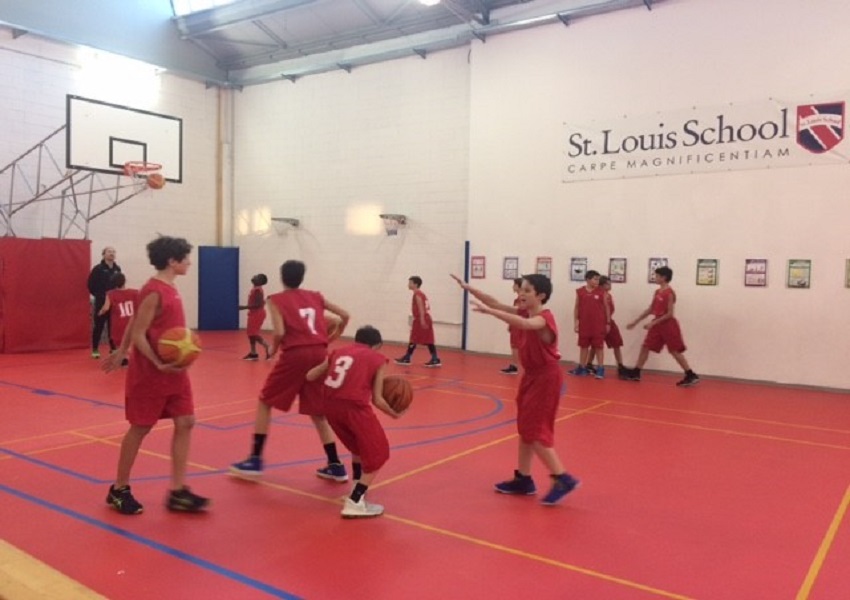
(100,282)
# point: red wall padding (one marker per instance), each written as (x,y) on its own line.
(44,302)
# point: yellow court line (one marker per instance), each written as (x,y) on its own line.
(760,436)
(109,442)
(469,451)
(723,416)
(823,550)
(542,559)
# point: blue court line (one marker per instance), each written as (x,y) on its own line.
(44,392)
(154,545)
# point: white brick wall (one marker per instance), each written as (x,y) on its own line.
(393,136)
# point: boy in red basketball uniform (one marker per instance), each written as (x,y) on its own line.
(355,383)
(256,308)
(515,335)
(663,329)
(590,315)
(155,390)
(613,339)
(300,331)
(539,388)
(422,327)
(121,303)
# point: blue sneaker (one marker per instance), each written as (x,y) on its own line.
(600,373)
(333,471)
(251,467)
(563,484)
(520,485)
(579,371)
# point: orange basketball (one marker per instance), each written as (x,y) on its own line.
(333,324)
(179,347)
(397,392)
(156,181)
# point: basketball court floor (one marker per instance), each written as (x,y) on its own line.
(722,491)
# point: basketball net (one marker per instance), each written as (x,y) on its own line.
(392,223)
(139,171)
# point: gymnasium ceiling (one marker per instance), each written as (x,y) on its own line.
(257,41)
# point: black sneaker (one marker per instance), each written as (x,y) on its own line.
(632,375)
(185,501)
(434,363)
(590,369)
(520,485)
(622,372)
(690,379)
(404,360)
(251,356)
(122,500)
(510,370)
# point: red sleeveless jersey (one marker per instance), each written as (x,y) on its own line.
(351,374)
(534,353)
(661,301)
(303,314)
(123,304)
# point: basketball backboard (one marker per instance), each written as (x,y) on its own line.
(103,137)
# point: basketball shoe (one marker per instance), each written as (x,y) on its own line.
(690,379)
(183,500)
(434,363)
(562,485)
(251,467)
(520,485)
(122,500)
(333,471)
(360,509)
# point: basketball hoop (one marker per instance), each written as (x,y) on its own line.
(392,223)
(140,171)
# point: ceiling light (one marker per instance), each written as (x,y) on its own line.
(429,2)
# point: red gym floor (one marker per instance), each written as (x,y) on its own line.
(724,490)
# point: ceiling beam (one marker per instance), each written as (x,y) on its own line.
(202,22)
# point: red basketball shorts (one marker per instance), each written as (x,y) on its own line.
(287,381)
(667,333)
(537,404)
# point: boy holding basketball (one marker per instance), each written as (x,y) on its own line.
(663,330)
(539,388)
(300,331)
(256,308)
(354,384)
(120,305)
(155,390)
(422,326)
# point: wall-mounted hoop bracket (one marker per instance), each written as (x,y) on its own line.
(284,224)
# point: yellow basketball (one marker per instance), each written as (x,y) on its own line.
(179,347)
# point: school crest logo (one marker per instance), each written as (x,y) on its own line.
(820,127)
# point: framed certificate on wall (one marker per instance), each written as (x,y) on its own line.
(707,271)
(510,267)
(617,270)
(478,267)
(655,263)
(799,273)
(755,272)
(544,266)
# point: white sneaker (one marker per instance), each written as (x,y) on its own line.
(360,510)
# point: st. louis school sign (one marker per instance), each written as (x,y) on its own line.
(763,135)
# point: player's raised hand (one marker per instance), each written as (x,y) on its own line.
(460,281)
